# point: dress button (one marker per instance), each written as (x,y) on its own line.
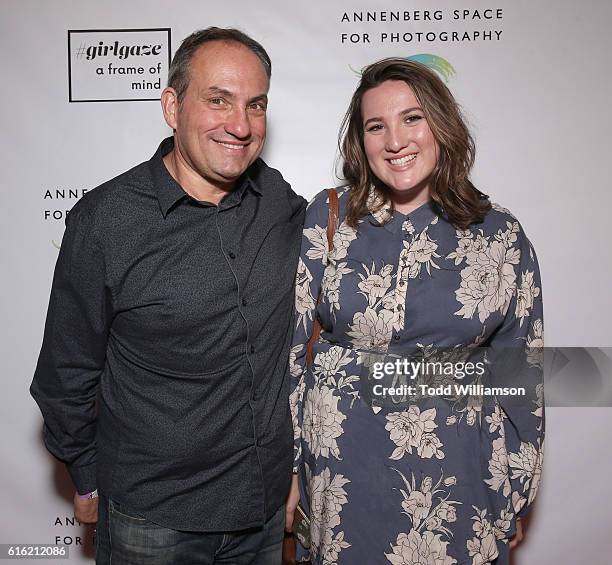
(232,255)
(252,350)
(244,301)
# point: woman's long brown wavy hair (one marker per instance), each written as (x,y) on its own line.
(450,185)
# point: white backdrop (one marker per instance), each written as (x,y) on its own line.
(536,94)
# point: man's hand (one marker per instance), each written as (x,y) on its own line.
(292,501)
(85,509)
(518,538)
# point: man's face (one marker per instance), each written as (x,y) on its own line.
(220,125)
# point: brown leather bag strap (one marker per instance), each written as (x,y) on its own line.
(332,224)
(332,216)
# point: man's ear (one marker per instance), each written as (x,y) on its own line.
(170,105)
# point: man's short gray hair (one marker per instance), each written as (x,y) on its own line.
(180,67)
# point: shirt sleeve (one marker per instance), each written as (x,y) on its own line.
(311,266)
(298,207)
(516,357)
(73,352)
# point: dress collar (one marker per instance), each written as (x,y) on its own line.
(419,218)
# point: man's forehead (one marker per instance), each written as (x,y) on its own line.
(228,65)
(221,44)
(220,53)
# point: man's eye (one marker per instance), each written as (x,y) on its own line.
(217,101)
(259,106)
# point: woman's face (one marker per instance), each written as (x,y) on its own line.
(399,144)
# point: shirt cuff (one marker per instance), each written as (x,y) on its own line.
(83,477)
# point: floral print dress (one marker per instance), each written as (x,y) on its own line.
(428,481)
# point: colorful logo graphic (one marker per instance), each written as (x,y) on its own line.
(434,62)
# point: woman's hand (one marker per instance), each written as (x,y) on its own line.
(292,501)
(518,538)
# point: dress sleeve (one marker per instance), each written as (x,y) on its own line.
(517,359)
(73,352)
(311,266)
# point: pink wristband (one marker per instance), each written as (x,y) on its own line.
(89,495)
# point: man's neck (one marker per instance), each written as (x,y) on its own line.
(191,182)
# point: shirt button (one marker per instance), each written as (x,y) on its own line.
(232,255)
(244,301)
(252,350)
(396,337)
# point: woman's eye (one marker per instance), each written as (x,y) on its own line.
(413,118)
(375,127)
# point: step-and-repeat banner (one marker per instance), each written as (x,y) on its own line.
(81,83)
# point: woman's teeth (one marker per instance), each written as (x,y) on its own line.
(403,160)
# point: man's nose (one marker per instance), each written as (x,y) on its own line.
(237,123)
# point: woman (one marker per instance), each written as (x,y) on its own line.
(421,262)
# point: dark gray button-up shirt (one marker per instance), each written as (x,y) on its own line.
(175,316)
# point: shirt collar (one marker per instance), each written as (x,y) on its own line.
(419,217)
(169,192)
(378,207)
(233,198)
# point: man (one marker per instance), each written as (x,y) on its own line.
(162,372)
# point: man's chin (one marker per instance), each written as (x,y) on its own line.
(227,179)
(232,174)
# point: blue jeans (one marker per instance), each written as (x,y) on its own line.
(124,538)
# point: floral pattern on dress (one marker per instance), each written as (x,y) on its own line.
(483,546)
(488,280)
(429,510)
(427,481)
(304,301)
(322,422)
(327,497)
(414,429)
